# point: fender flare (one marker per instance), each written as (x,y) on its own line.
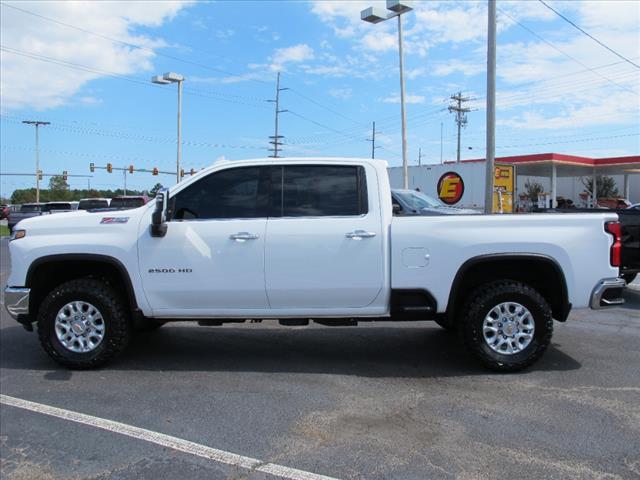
(565,306)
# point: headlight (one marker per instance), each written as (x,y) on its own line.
(18,234)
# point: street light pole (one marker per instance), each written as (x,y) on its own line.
(37,123)
(171,77)
(179,158)
(491,108)
(405,165)
(375,15)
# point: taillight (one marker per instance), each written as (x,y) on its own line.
(615,229)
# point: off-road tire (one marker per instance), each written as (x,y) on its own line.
(477,307)
(114,312)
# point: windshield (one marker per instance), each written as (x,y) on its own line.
(417,200)
(29,208)
(91,204)
(127,202)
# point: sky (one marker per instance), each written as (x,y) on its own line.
(86,68)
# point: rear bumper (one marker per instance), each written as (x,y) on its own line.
(16,301)
(608,293)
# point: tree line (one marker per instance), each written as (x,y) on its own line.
(59,191)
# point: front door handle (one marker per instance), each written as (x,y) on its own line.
(241,236)
(360,234)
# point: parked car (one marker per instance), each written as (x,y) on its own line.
(4,211)
(412,202)
(635,206)
(27,210)
(93,203)
(299,239)
(58,207)
(126,202)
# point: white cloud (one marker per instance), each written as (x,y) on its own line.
(457,66)
(294,54)
(408,99)
(22,83)
(341,93)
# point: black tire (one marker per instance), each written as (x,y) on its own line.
(107,300)
(447,323)
(480,303)
(629,277)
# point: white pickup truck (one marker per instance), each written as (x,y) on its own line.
(300,239)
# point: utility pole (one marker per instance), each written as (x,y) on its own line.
(419,157)
(275,139)
(37,124)
(373,140)
(491,109)
(124,172)
(461,115)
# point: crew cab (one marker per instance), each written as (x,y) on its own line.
(299,240)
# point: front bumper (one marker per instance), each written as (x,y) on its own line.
(16,301)
(608,293)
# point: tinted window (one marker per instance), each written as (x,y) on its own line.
(29,208)
(233,193)
(127,202)
(323,190)
(91,204)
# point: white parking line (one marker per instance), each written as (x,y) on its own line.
(251,465)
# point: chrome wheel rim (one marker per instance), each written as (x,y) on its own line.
(508,328)
(79,327)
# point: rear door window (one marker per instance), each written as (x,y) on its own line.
(322,190)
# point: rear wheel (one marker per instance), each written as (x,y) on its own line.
(507,325)
(83,323)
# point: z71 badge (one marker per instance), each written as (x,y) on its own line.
(114,220)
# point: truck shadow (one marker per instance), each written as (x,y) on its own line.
(378,352)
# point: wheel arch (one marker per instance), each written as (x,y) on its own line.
(45,273)
(542,272)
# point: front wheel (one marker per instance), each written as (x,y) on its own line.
(507,325)
(83,323)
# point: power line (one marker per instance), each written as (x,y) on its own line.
(85,68)
(588,34)
(566,54)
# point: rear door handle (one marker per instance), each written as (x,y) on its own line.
(244,236)
(360,234)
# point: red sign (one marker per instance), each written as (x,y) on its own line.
(450,188)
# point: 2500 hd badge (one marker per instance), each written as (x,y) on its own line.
(170,270)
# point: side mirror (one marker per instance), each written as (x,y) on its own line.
(159,216)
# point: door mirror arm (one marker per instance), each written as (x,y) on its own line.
(159,215)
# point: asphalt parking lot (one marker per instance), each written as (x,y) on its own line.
(384,401)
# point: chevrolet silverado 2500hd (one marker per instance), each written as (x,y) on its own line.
(301,239)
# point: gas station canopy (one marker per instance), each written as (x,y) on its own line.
(541,165)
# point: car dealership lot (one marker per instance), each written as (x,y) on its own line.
(372,402)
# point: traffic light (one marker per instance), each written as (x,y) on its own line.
(92,167)
(192,172)
(130,168)
(65,175)
(39,174)
(155,171)
(181,172)
(109,168)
